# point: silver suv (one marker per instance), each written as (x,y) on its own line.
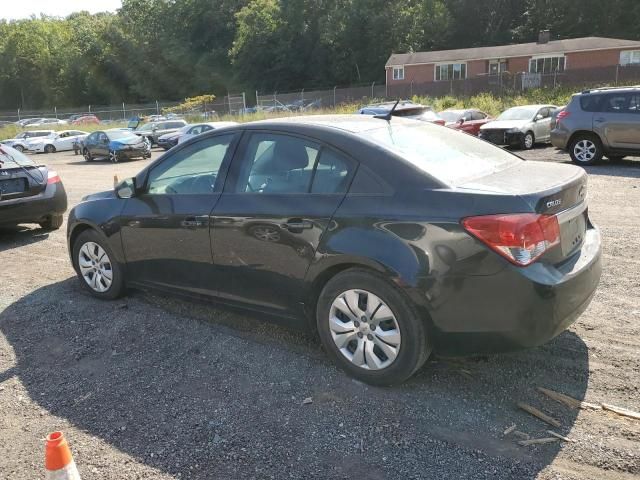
(600,122)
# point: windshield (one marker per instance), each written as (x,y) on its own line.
(518,113)
(451,116)
(120,134)
(448,155)
(146,128)
(11,158)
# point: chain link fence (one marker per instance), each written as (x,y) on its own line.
(309,100)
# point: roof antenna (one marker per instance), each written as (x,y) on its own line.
(387,116)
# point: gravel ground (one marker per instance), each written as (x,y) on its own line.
(152,387)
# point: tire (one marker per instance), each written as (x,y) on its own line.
(103,289)
(54,222)
(113,156)
(528,141)
(49,149)
(87,156)
(410,345)
(585,150)
(615,158)
(19,148)
(151,143)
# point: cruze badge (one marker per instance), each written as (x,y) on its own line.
(554,203)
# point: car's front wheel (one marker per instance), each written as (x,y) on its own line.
(528,141)
(370,329)
(96,266)
(19,148)
(113,156)
(49,149)
(585,150)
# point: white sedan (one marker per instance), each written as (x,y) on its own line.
(199,128)
(55,141)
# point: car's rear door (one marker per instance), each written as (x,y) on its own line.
(165,227)
(279,199)
(618,120)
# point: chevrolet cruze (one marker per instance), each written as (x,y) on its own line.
(391,238)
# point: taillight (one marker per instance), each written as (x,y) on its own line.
(53,178)
(439,122)
(521,238)
(563,114)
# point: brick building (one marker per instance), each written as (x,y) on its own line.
(543,57)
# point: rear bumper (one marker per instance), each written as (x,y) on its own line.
(518,307)
(53,201)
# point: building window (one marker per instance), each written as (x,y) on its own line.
(630,57)
(497,66)
(398,73)
(547,64)
(451,71)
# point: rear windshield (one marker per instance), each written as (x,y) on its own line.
(11,158)
(450,156)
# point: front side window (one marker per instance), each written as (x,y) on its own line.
(547,64)
(630,57)
(277,164)
(451,71)
(193,170)
(398,73)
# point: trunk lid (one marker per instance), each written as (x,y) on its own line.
(22,182)
(549,189)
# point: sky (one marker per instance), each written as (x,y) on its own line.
(13,9)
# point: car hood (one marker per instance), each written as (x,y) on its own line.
(125,141)
(169,136)
(505,124)
(100,195)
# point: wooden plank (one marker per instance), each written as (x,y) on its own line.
(561,437)
(537,413)
(537,441)
(621,411)
(509,430)
(567,400)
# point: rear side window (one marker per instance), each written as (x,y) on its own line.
(332,173)
(616,103)
(448,155)
(590,103)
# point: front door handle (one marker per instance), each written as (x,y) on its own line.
(298,224)
(194,222)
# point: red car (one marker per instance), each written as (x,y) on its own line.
(86,120)
(468,121)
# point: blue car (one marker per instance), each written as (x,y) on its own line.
(115,145)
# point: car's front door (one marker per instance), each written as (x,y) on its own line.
(101,147)
(542,126)
(279,199)
(165,226)
(618,120)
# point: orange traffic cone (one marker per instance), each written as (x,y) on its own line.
(58,460)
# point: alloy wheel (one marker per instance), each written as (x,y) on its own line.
(364,329)
(87,155)
(528,141)
(266,234)
(113,157)
(95,267)
(585,150)
(49,149)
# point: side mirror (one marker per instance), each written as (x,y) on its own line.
(126,188)
(538,117)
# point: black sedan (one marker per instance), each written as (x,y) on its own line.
(115,145)
(392,238)
(29,193)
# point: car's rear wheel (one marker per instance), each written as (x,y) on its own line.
(528,141)
(87,155)
(49,149)
(585,150)
(53,222)
(369,328)
(97,269)
(19,148)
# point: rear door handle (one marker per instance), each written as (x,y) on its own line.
(194,222)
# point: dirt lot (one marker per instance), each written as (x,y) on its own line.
(151,387)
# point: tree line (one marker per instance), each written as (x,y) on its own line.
(171,49)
